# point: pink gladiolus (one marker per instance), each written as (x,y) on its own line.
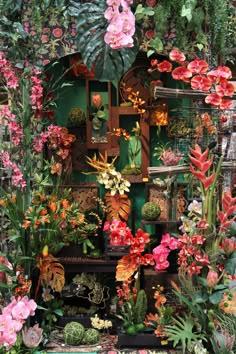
(212,278)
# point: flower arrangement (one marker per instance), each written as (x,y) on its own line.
(99,323)
(206,263)
(13,317)
(119,232)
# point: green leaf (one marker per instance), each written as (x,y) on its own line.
(230,265)
(216,297)
(100,114)
(150,52)
(58,312)
(157,44)
(97,123)
(109,64)
(200,46)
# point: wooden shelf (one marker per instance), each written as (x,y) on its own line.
(86,264)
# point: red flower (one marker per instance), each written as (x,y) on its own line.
(198,66)
(213,99)
(150,34)
(151,3)
(164,66)
(57,32)
(226,104)
(200,82)
(181,73)
(221,72)
(212,278)
(225,88)
(194,269)
(176,55)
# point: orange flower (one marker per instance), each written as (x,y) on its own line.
(97,100)
(45,220)
(52,206)
(63,153)
(63,214)
(65,204)
(43,212)
(211,129)
(161,300)
(56,168)
(36,224)
(3,202)
(26,224)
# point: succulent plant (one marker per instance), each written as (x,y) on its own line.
(32,336)
(73,333)
(150,211)
(91,336)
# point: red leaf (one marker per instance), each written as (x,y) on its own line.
(208,181)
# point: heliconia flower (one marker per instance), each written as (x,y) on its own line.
(202,225)
(225,88)
(213,99)
(226,104)
(198,66)
(201,82)
(176,55)
(212,278)
(32,336)
(181,73)
(164,66)
(97,100)
(229,207)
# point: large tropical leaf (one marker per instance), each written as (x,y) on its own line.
(117,206)
(125,268)
(110,64)
(51,272)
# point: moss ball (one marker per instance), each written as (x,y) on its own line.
(73,333)
(91,336)
(150,211)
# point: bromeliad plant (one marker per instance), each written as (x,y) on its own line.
(207,264)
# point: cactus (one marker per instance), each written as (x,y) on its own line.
(140,307)
(73,333)
(91,336)
(150,211)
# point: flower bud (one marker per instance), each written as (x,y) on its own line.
(97,100)
(212,279)
(228,245)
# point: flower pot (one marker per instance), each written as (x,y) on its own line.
(141,340)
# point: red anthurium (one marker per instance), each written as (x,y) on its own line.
(226,104)
(164,66)
(181,73)
(225,88)
(198,66)
(213,99)
(176,55)
(201,82)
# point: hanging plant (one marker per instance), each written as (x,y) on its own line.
(110,64)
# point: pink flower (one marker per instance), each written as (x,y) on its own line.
(151,3)
(198,66)
(32,336)
(226,104)
(57,32)
(213,99)
(106,226)
(228,245)
(212,278)
(225,88)
(164,66)
(181,73)
(201,82)
(20,311)
(162,266)
(170,157)
(176,55)
(150,34)
(97,100)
